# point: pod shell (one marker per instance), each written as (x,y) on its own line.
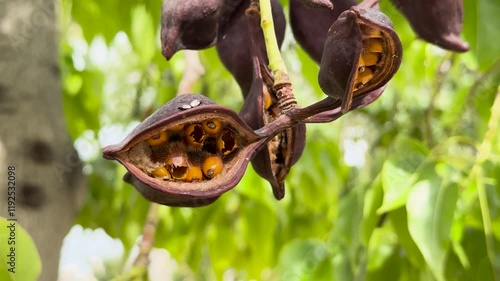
(310,25)
(437,22)
(253,112)
(234,48)
(194,24)
(342,51)
(186,109)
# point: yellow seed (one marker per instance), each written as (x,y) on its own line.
(374,45)
(161,172)
(368,59)
(176,128)
(157,139)
(268,101)
(212,166)
(226,143)
(212,126)
(194,135)
(364,77)
(194,173)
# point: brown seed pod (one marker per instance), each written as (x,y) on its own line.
(357,37)
(325,4)
(274,160)
(310,26)
(194,24)
(437,22)
(233,49)
(137,157)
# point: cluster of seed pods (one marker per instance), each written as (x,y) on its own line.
(191,150)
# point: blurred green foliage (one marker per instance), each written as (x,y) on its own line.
(424,205)
(19,255)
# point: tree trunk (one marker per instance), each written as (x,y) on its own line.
(33,135)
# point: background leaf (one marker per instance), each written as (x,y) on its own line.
(430,207)
(27,265)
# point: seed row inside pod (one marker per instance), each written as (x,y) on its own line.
(278,145)
(190,152)
(371,56)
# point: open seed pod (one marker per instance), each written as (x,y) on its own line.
(187,153)
(274,160)
(234,51)
(437,22)
(310,26)
(362,52)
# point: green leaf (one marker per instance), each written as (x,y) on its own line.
(400,171)
(481,23)
(399,222)
(384,256)
(346,231)
(299,259)
(373,200)
(143,34)
(430,207)
(26,264)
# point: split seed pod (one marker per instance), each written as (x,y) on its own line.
(310,26)
(437,22)
(274,160)
(362,52)
(165,173)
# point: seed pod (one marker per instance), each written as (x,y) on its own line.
(194,24)
(355,38)
(437,22)
(310,26)
(325,4)
(233,50)
(274,160)
(140,160)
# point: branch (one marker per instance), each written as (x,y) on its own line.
(282,84)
